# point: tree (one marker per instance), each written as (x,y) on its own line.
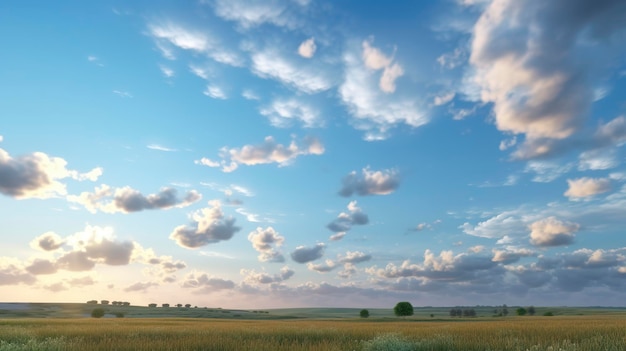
(521,311)
(364,313)
(453,312)
(104,302)
(505,311)
(152,305)
(531,310)
(403,309)
(97,312)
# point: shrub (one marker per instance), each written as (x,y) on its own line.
(364,313)
(97,312)
(119,314)
(403,309)
(548,314)
(521,311)
(387,342)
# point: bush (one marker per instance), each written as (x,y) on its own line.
(521,311)
(97,312)
(119,314)
(388,342)
(548,314)
(364,313)
(403,309)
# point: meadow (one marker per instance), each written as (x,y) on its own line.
(271,331)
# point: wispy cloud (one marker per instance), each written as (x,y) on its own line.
(122,94)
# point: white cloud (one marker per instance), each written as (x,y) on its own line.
(122,94)
(167,34)
(388,79)
(541,85)
(586,187)
(268,152)
(547,171)
(37,175)
(453,59)
(250,95)
(160,148)
(48,241)
(254,13)
(597,160)
(307,48)
(215,92)
(344,221)
(282,112)
(552,232)
(444,98)
(205,283)
(372,111)
(127,199)
(307,79)
(370,182)
(505,224)
(258,278)
(265,241)
(209,226)
(167,72)
(304,254)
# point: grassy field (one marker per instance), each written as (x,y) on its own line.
(566,333)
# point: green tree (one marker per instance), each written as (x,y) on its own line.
(521,311)
(531,310)
(403,309)
(364,313)
(97,312)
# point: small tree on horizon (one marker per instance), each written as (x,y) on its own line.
(531,310)
(521,311)
(403,309)
(364,313)
(97,312)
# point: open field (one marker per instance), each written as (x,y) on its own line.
(589,332)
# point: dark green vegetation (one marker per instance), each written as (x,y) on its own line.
(403,309)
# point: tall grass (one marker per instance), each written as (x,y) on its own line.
(585,333)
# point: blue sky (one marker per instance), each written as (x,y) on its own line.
(257,154)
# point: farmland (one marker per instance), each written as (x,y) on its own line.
(307,329)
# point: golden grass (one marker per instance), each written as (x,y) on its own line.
(579,333)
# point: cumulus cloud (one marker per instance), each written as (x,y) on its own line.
(12,273)
(37,175)
(265,242)
(370,182)
(258,278)
(41,266)
(506,223)
(325,267)
(344,221)
(209,226)
(586,187)
(267,152)
(48,241)
(303,254)
(552,232)
(541,84)
(510,255)
(281,113)
(361,92)
(204,283)
(307,48)
(354,257)
(445,267)
(127,199)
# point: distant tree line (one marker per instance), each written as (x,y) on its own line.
(106,302)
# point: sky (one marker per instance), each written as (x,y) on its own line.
(303,153)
